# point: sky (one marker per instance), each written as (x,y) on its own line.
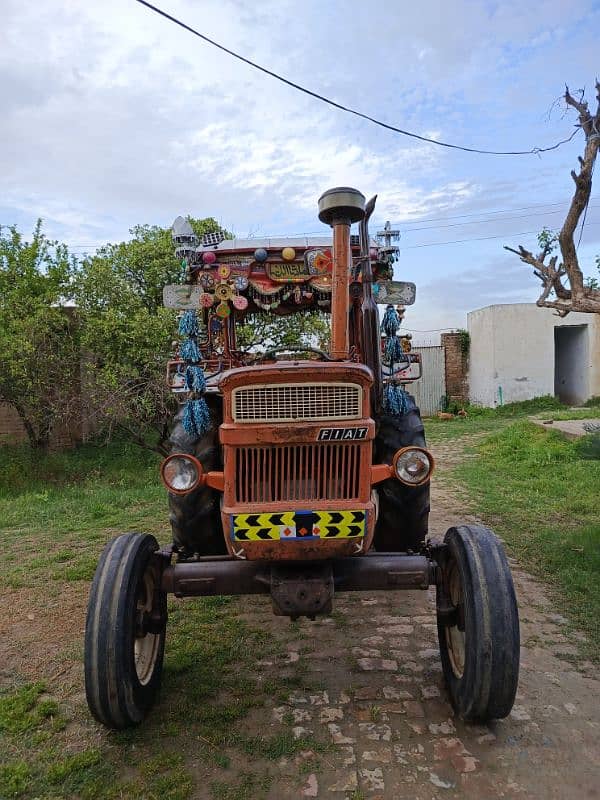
(112,117)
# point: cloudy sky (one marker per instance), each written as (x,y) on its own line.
(112,116)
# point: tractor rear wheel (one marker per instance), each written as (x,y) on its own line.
(402,523)
(195,517)
(125,632)
(478,624)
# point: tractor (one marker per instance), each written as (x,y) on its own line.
(297,474)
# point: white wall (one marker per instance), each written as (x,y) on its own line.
(512,352)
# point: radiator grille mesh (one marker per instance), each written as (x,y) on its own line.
(301,401)
(274,474)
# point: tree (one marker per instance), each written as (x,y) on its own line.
(127,333)
(564,287)
(38,337)
(267,331)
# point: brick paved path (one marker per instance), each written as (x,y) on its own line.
(382,703)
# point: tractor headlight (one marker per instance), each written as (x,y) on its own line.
(413,465)
(181,473)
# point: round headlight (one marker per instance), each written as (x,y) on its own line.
(181,473)
(413,465)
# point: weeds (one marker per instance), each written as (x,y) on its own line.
(541,495)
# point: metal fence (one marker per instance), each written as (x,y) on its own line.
(429,392)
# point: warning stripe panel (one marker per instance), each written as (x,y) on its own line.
(298,525)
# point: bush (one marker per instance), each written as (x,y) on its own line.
(543,403)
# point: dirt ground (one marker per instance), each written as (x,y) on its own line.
(381,702)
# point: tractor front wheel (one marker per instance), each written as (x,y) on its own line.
(403,510)
(478,624)
(125,632)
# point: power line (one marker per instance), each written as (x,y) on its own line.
(477,239)
(434,219)
(482,221)
(429,330)
(533,151)
(480,213)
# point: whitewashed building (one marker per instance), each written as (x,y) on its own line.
(519,351)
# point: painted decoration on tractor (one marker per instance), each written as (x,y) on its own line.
(287,525)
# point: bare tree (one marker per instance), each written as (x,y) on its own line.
(563,286)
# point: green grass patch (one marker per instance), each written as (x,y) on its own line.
(535,488)
(14,779)
(56,513)
(250,786)
(283,745)
(58,510)
(517,409)
(579,413)
(593,402)
(24,710)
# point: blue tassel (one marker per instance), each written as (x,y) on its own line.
(390,322)
(195,381)
(393,349)
(196,417)
(189,351)
(188,324)
(395,400)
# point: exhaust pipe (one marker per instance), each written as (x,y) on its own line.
(339,208)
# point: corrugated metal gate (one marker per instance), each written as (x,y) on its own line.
(431,389)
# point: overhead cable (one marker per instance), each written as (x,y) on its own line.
(533,151)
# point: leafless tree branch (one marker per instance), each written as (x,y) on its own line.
(566,280)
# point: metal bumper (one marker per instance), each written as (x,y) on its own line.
(229,576)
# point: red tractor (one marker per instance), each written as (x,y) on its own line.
(299,474)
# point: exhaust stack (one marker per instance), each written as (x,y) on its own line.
(339,208)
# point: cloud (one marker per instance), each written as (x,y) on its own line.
(445,302)
(113,116)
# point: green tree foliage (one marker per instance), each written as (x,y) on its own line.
(548,242)
(39,348)
(267,331)
(118,331)
(127,333)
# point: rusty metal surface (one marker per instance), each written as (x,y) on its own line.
(302,591)
(296,372)
(340,301)
(288,432)
(372,572)
(378,571)
(303,472)
(370,314)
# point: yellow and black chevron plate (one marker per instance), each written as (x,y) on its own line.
(282,525)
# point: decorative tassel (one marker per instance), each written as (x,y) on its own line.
(196,417)
(390,322)
(395,400)
(188,324)
(189,351)
(195,381)
(393,349)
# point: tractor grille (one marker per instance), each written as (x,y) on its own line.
(297,401)
(324,471)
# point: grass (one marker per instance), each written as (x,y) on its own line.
(588,413)
(56,513)
(539,491)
